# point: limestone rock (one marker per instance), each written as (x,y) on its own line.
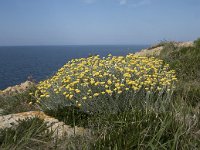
(155,51)
(60,129)
(17,88)
(151,52)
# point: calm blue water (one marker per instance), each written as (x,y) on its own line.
(17,63)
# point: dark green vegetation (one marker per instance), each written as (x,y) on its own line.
(177,127)
(186,62)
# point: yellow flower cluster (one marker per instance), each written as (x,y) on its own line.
(88,78)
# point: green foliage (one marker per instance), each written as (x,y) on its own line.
(185,61)
(70,115)
(197,43)
(17,103)
(139,129)
(189,92)
(29,134)
(168,48)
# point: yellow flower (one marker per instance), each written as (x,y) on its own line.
(109,91)
(122,85)
(77,91)
(42,96)
(174,79)
(96,94)
(92,82)
(115,89)
(119,92)
(96,74)
(97,83)
(84,98)
(158,88)
(102,83)
(124,72)
(127,75)
(109,82)
(70,96)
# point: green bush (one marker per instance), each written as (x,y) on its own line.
(197,43)
(108,85)
(185,61)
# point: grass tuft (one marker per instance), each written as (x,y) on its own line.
(29,134)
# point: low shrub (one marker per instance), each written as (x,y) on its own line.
(108,85)
(197,43)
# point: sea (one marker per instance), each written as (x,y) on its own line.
(19,63)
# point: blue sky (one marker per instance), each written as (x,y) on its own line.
(69,22)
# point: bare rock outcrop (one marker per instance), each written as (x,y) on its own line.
(156,49)
(60,129)
(17,88)
(150,52)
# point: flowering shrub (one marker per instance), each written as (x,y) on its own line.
(109,84)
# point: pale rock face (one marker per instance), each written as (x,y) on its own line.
(185,44)
(156,51)
(17,88)
(151,52)
(59,128)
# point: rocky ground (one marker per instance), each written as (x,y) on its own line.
(17,88)
(59,128)
(156,49)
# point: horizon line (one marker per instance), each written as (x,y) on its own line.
(80,45)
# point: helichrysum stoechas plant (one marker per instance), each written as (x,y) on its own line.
(108,84)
